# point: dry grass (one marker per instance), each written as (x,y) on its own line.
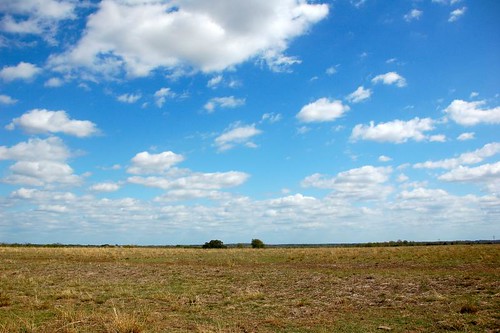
(406,289)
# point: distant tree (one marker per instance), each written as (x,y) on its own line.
(214,244)
(257,244)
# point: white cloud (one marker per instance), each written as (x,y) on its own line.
(36,16)
(46,121)
(22,71)
(437,138)
(470,113)
(271,117)
(39,163)
(456,14)
(396,131)
(331,70)
(50,149)
(364,183)
(208,36)
(477,156)
(162,94)
(474,94)
(7,100)
(129,98)
(466,136)
(413,14)
(193,180)
(53,82)
(146,163)
(223,102)
(237,134)
(322,110)
(105,187)
(359,95)
(215,81)
(389,79)
(488,174)
(383,158)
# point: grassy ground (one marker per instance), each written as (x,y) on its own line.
(404,289)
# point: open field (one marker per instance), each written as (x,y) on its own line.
(403,289)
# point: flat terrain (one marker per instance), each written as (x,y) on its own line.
(397,289)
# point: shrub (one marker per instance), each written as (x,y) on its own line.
(257,244)
(214,244)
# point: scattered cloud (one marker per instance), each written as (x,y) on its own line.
(390,78)
(271,117)
(364,183)
(129,98)
(471,113)
(53,82)
(46,121)
(359,95)
(237,134)
(466,136)
(162,94)
(36,17)
(477,156)
(7,100)
(322,110)
(396,131)
(215,81)
(22,71)
(146,163)
(413,14)
(437,138)
(331,70)
(456,14)
(209,37)
(223,102)
(105,187)
(383,158)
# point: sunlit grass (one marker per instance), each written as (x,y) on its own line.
(419,289)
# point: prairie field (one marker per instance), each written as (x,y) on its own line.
(397,289)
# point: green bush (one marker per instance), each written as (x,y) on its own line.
(257,244)
(214,244)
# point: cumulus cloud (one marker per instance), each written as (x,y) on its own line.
(437,138)
(53,82)
(383,158)
(364,183)
(146,163)
(322,110)
(482,173)
(456,14)
(396,131)
(22,71)
(39,163)
(223,102)
(207,36)
(359,95)
(390,78)
(215,81)
(237,134)
(46,121)
(477,156)
(471,113)
(413,14)
(7,100)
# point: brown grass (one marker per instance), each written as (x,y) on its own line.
(404,289)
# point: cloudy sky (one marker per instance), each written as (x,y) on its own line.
(292,121)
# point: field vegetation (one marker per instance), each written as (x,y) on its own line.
(376,289)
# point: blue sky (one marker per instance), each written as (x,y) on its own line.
(177,122)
